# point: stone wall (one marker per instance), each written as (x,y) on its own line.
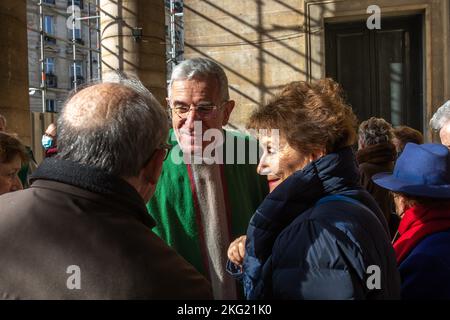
(14,103)
(264,44)
(145,57)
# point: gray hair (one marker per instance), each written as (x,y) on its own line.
(374,131)
(441,116)
(200,68)
(124,140)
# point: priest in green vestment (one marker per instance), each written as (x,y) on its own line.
(209,187)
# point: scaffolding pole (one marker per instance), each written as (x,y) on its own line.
(173,42)
(42,61)
(89,42)
(74,47)
(97,26)
(173,26)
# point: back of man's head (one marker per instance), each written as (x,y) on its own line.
(112,126)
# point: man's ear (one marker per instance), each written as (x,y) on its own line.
(149,175)
(228,108)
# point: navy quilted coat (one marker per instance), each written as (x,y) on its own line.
(300,249)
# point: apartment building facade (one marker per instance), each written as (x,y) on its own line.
(61,68)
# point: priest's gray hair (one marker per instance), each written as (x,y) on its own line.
(441,116)
(201,68)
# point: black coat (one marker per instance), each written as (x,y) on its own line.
(78,216)
(298,249)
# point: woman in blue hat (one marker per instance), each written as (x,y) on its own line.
(421,187)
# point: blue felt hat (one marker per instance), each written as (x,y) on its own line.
(421,170)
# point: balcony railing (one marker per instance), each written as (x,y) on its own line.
(79,41)
(80,81)
(49,40)
(51,80)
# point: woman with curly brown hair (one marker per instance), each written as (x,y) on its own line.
(318,234)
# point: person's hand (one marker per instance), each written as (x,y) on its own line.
(236,250)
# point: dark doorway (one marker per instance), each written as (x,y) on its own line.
(380,70)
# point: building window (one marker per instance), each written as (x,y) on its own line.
(49,30)
(78,36)
(48,24)
(79,73)
(49,1)
(78,3)
(78,67)
(50,105)
(77,33)
(50,65)
(50,77)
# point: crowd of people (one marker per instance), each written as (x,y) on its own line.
(147,202)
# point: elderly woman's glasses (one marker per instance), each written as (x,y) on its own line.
(203,110)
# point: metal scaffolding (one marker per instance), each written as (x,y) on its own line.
(90,18)
(175,52)
(76,17)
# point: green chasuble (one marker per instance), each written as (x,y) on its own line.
(26,168)
(174,205)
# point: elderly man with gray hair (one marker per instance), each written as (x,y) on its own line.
(209,188)
(440,122)
(82,230)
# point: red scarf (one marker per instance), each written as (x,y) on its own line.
(417,223)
